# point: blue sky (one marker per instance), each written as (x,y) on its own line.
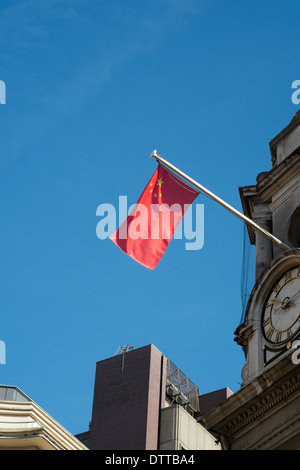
(92,88)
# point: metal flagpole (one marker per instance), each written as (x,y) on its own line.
(220,201)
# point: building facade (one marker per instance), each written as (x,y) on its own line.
(142,401)
(26,426)
(264,413)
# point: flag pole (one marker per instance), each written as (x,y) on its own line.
(231,209)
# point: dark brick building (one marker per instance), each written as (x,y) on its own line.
(142,401)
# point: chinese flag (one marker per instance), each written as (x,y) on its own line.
(148,230)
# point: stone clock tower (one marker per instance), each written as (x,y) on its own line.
(265,412)
(272,320)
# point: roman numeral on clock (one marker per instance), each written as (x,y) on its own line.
(276,288)
(288,276)
(278,337)
(269,333)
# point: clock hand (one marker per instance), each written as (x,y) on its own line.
(295,295)
(284,304)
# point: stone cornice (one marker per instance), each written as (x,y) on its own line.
(266,187)
(256,401)
(260,407)
(19,419)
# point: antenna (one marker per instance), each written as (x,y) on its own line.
(123,349)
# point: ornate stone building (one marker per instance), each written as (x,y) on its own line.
(264,413)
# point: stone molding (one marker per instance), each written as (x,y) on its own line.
(26,421)
(242,420)
(266,403)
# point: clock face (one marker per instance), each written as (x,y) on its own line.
(281,316)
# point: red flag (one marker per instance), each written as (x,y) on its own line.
(148,230)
